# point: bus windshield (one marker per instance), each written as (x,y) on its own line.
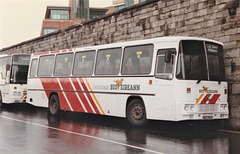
(19,71)
(200,60)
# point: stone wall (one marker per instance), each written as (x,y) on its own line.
(214,19)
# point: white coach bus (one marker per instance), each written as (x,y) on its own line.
(13,78)
(168,78)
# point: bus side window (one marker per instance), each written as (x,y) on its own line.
(108,61)
(164,69)
(84,62)
(4,62)
(137,60)
(63,64)
(45,67)
(33,68)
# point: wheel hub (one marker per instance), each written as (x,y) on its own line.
(137,112)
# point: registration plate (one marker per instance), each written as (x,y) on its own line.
(207,117)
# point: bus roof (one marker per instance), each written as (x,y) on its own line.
(135,42)
(5,55)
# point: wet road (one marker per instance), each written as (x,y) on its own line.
(26,129)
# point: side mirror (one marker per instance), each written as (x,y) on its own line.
(7,67)
(168,56)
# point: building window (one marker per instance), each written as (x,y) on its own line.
(60,15)
(95,14)
(49,30)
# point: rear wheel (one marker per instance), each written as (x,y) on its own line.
(54,106)
(136,113)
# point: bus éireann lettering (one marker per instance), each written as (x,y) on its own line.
(120,86)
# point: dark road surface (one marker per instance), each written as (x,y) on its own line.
(26,129)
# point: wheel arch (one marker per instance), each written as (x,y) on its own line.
(130,98)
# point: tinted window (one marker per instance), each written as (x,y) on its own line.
(63,64)
(84,62)
(192,61)
(108,61)
(20,64)
(137,60)
(45,67)
(21,59)
(33,68)
(215,61)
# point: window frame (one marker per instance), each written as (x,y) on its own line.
(55,62)
(52,67)
(9,59)
(174,60)
(30,68)
(140,74)
(94,62)
(206,59)
(120,64)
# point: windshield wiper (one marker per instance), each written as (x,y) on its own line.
(199,81)
(219,80)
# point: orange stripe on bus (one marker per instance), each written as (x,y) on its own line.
(23,96)
(94,96)
(199,98)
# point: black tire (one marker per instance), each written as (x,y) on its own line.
(54,105)
(136,113)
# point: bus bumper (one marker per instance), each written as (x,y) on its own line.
(202,111)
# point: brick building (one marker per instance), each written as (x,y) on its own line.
(57,18)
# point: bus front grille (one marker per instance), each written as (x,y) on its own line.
(203,108)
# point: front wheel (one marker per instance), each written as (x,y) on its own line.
(136,113)
(54,106)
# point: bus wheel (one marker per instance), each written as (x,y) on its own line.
(136,113)
(54,106)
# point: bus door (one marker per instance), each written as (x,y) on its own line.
(164,84)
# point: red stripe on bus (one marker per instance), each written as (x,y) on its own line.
(214,99)
(89,96)
(64,50)
(72,98)
(51,84)
(41,53)
(55,51)
(205,99)
(81,95)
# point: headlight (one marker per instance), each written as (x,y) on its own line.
(186,107)
(189,107)
(192,107)
(223,106)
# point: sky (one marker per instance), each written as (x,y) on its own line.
(21,20)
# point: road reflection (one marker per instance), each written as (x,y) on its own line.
(157,136)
